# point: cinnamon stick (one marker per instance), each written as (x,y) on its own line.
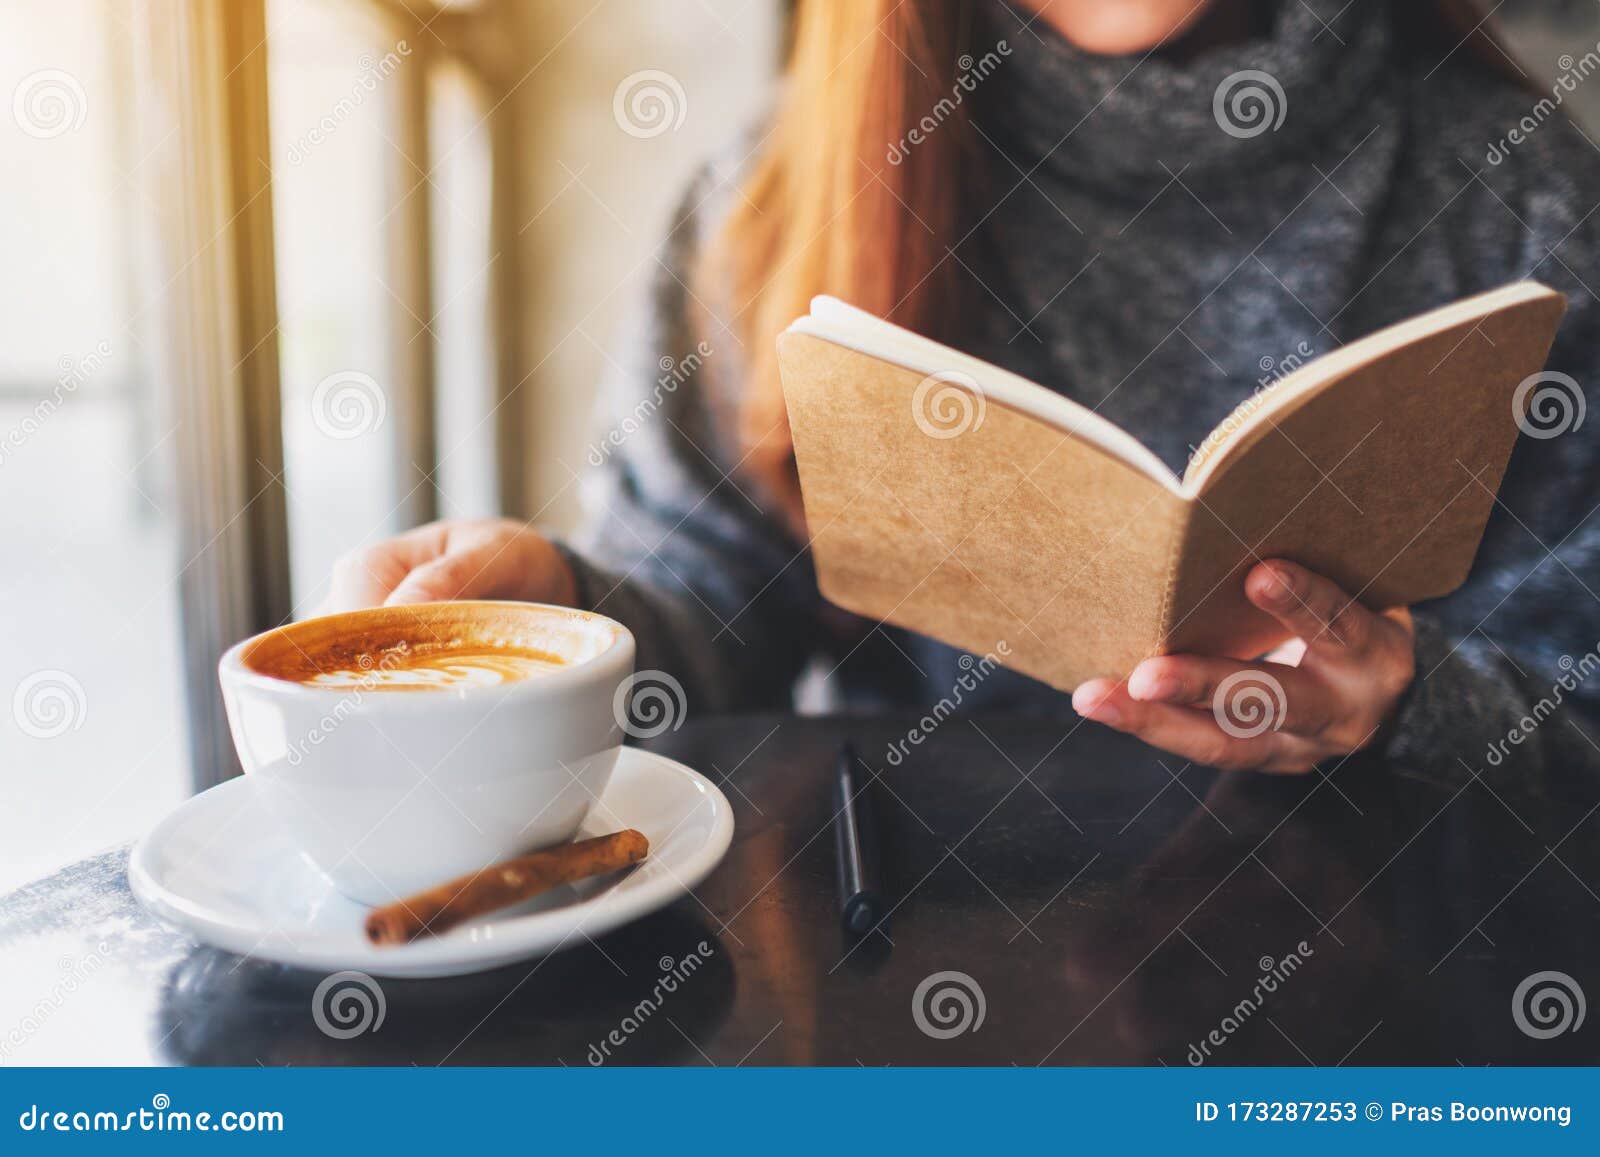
(501,885)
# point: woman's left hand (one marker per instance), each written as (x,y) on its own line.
(1325,693)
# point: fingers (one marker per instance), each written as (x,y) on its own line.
(476,570)
(367,576)
(1338,680)
(355,584)
(1240,696)
(485,559)
(1313,608)
(1192,734)
(1368,657)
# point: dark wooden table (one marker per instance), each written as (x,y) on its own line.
(1111,905)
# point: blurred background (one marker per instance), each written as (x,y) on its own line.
(281,277)
(399,233)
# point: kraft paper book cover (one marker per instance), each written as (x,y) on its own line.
(952,498)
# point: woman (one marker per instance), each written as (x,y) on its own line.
(1089,205)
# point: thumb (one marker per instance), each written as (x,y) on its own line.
(462,574)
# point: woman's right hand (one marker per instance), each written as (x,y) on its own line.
(490,558)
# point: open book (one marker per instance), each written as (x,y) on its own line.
(948,496)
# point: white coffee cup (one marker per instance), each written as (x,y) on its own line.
(392,791)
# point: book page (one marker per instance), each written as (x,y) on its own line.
(845,325)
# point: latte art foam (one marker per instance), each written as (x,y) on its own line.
(418,669)
(451,647)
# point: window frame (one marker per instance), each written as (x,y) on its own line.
(204,84)
(204,81)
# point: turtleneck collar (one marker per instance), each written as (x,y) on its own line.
(1114,119)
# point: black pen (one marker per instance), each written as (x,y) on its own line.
(855,838)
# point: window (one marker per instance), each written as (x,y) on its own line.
(93,735)
(283,277)
(333,80)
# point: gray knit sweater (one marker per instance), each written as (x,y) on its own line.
(1142,260)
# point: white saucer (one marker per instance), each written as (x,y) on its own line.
(222,868)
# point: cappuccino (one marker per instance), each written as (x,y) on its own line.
(454,664)
(429,646)
(507,710)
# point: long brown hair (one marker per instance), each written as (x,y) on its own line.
(836,204)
